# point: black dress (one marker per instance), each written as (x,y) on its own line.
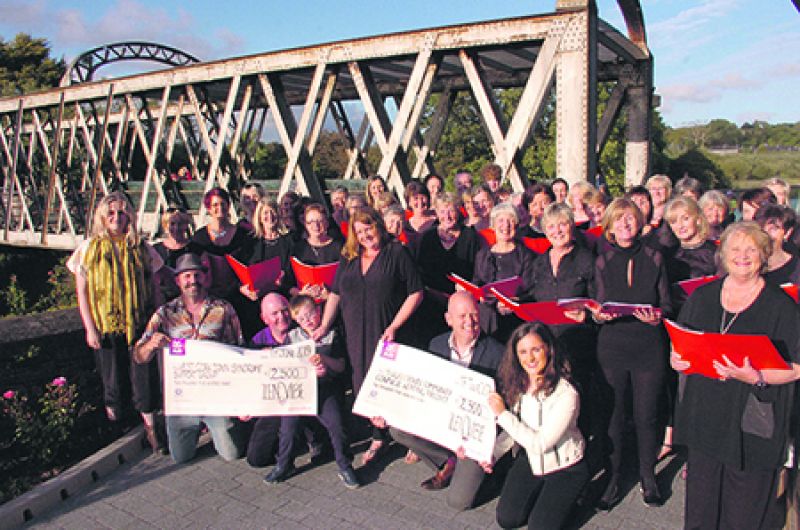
(435,262)
(313,255)
(369,302)
(493,266)
(687,263)
(166,280)
(709,413)
(789,272)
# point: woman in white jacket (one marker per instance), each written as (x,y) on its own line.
(548,472)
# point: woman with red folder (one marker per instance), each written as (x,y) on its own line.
(316,247)
(271,240)
(736,427)
(631,350)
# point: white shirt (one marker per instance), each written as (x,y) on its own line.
(465,359)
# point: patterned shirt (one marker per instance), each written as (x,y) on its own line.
(218,322)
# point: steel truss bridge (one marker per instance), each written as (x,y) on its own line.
(62,149)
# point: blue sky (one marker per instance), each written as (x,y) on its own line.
(732,59)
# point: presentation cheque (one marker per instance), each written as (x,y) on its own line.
(204,378)
(425,395)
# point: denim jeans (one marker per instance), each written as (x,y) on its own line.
(183,432)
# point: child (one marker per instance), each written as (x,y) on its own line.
(329,362)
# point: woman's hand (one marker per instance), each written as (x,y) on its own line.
(93,338)
(578,315)
(247,292)
(677,362)
(745,373)
(388,334)
(316,360)
(599,316)
(378,422)
(648,316)
(312,290)
(496,403)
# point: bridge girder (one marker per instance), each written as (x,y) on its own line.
(376,89)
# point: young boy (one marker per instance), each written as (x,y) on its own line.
(329,363)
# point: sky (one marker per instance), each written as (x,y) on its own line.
(732,59)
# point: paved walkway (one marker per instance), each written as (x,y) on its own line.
(153,492)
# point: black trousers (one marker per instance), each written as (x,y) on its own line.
(646,389)
(721,497)
(542,501)
(123,379)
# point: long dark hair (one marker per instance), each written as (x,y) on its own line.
(514,380)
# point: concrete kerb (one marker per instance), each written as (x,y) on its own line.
(82,476)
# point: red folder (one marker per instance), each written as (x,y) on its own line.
(539,245)
(507,287)
(488,235)
(792,290)
(259,276)
(594,233)
(702,348)
(690,285)
(314,274)
(344,227)
(548,313)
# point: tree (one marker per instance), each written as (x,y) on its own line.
(695,163)
(26,66)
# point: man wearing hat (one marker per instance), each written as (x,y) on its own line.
(193,315)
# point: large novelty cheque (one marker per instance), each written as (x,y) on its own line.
(430,397)
(204,378)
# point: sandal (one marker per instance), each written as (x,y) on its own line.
(666,450)
(411,457)
(372,452)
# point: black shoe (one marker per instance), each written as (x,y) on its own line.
(279,474)
(348,476)
(610,497)
(651,495)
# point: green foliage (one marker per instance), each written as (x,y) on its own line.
(26,66)
(15,297)
(269,161)
(463,143)
(38,281)
(696,163)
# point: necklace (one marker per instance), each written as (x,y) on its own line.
(723,327)
(218,233)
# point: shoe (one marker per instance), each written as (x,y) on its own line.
(610,497)
(666,450)
(279,474)
(348,476)
(442,478)
(651,496)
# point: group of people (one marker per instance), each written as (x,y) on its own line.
(563,391)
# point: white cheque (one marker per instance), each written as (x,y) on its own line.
(425,395)
(204,378)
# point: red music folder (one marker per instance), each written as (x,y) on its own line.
(314,274)
(259,276)
(702,348)
(594,233)
(488,235)
(539,245)
(691,284)
(548,313)
(792,290)
(507,287)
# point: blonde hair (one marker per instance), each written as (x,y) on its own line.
(446,197)
(661,179)
(682,202)
(715,197)
(756,234)
(99,228)
(366,216)
(617,209)
(266,203)
(182,215)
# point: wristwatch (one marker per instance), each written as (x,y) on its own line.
(760,384)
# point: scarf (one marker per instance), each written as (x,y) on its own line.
(118,284)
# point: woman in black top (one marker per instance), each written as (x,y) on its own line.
(779,222)
(734,461)
(566,270)
(176,224)
(631,350)
(448,248)
(378,289)
(505,259)
(271,241)
(535,199)
(316,247)
(218,238)
(694,257)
